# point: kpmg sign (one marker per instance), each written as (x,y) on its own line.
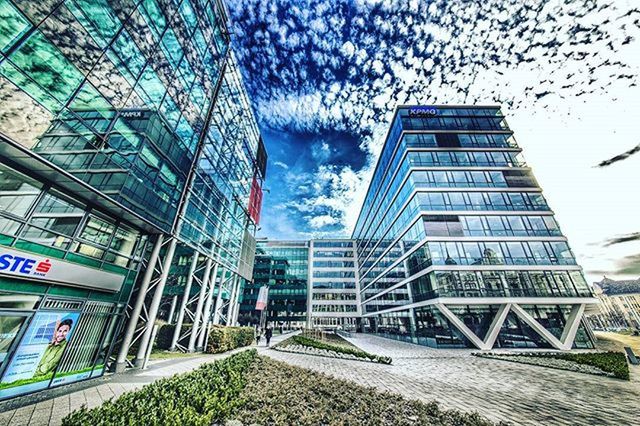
(423,111)
(25,265)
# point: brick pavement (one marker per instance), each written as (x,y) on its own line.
(52,411)
(499,390)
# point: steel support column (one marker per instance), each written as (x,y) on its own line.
(172,310)
(198,312)
(155,302)
(206,314)
(185,301)
(121,361)
(220,302)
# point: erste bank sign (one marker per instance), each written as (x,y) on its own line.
(19,264)
(423,111)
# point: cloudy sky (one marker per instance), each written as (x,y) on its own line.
(325,77)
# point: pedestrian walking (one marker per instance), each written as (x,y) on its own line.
(267,334)
(257,336)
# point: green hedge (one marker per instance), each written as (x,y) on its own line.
(611,362)
(165,335)
(313,343)
(222,339)
(201,397)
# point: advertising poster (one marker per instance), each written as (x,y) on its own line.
(39,353)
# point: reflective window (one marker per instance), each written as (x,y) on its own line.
(12,25)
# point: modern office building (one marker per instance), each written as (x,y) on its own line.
(457,246)
(130,164)
(619,305)
(333,300)
(312,284)
(283,266)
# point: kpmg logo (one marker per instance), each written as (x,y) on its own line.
(24,265)
(423,111)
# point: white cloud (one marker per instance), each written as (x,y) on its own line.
(566,73)
(281,164)
(321,221)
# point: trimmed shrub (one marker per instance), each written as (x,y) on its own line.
(206,395)
(313,343)
(222,339)
(613,364)
(165,335)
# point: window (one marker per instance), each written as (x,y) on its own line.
(12,25)
(17,192)
(48,67)
(97,231)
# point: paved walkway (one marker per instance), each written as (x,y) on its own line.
(499,390)
(52,411)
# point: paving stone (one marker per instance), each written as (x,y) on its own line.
(519,393)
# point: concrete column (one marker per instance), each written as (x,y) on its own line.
(137,308)
(232,300)
(185,301)
(236,311)
(145,340)
(172,310)
(198,313)
(218,308)
(207,309)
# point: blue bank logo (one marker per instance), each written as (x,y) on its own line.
(23,265)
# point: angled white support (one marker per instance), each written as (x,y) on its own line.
(496,325)
(185,301)
(198,312)
(457,322)
(206,313)
(537,327)
(572,325)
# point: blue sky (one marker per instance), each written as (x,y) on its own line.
(325,77)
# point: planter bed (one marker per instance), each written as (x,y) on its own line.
(610,364)
(309,346)
(306,350)
(247,389)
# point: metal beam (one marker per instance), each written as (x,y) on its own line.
(198,312)
(145,341)
(185,301)
(206,315)
(121,361)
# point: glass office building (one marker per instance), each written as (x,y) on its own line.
(283,266)
(123,123)
(333,297)
(457,246)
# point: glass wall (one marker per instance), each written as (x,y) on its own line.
(114,93)
(284,269)
(453,211)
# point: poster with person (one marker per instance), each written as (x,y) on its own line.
(39,353)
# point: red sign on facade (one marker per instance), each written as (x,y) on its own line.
(255,200)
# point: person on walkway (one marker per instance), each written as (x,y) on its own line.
(267,334)
(258,336)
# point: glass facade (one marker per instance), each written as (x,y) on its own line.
(334,298)
(120,121)
(283,266)
(454,232)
